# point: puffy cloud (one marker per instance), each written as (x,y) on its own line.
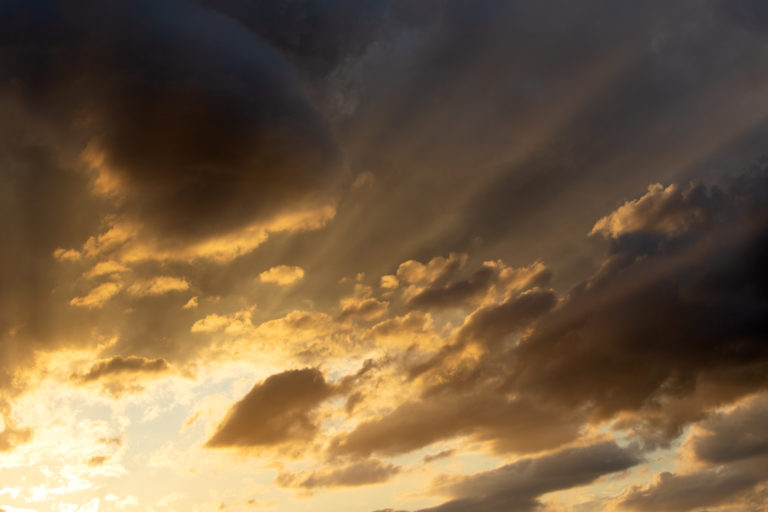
(439,267)
(364,472)
(275,411)
(282,275)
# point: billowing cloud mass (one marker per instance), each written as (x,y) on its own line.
(430,255)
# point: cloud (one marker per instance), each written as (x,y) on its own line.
(731,446)
(177,133)
(97,296)
(389,282)
(669,210)
(490,326)
(364,472)
(238,322)
(678,493)
(513,425)
(191,303)
(439,267)
(282,275)
(158,286)
(449,290)
(275,411)
(119,365)
(737,435)
(518,485)
(11,436)
(365,309)
(439,455)
(669,316)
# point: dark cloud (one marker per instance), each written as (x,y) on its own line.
(679,493)
(118,365)
(199,119)
(668,316)
(455,294)
(732,446)
(448,292)
(318,34)
(364,472)
(439,455)
(517,486)
(736,435)
(672,325)
(274,411)
(512,425)
(490,326)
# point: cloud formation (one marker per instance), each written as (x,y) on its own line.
(275,411)
(120,365)
(282,275)
(364,472)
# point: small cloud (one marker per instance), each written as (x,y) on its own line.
(366,309)
(437,456)
(67,254)
(231,324)
(158,286)
(191,304)
(282,275)
(365,472)
(363,180)
(97,296)
(389,282)
(97,460)
(121,365)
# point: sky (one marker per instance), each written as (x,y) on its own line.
(384,256)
